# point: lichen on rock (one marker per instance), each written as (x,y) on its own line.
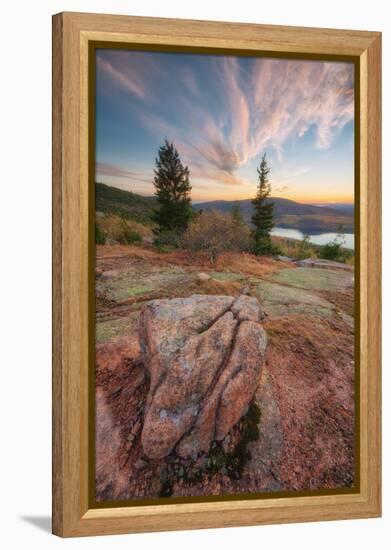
(204,355)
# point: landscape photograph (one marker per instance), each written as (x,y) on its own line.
(224,276)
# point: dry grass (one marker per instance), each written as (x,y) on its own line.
(224,288)
(258,266)
(235,262)
(114,226)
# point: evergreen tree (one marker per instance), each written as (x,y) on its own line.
(237,218)
(172,189)
(263,212)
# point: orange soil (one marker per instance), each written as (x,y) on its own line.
(110,257)
(312,368)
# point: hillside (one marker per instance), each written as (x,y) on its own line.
(112,200)
(291,214)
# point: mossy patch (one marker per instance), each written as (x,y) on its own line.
(129,285)
(349,320)
(233,462)
(312,278)
(281,300)
(166,486)
(217,460)
(127,291)
(107,330)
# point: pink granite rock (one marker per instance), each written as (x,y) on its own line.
(204,355)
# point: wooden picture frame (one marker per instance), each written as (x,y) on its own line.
(72,283)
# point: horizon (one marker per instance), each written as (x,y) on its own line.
(222,113)
(150,196)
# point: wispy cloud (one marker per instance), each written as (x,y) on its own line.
(112,170)
(121,78)
(250,105)
(290,97)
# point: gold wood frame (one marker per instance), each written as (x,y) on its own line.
(72,283)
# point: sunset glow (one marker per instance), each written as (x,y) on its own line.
(222,113)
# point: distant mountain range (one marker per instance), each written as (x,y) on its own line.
(308,218)
(343,208)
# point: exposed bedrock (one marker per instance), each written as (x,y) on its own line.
(204,355)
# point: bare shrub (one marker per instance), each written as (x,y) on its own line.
(215,232)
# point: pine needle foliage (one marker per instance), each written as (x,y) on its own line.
(172,190)
(262,218)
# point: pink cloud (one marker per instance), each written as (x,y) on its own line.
(112,170)
(291,96)
(272,101)
(122,79)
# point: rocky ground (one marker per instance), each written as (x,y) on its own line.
(296,432)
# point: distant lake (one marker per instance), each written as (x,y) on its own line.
(321,238)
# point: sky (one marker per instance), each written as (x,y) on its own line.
(222,113)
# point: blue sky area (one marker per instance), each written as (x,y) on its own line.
(222,113)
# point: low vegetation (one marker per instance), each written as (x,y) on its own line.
(233,461)
(120,229)
(100,235)
(208,233)
(304,249)
(215,232)
(334,251)
(219,459)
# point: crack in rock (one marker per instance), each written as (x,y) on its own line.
(204,355)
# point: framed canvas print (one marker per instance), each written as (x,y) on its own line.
(216,239)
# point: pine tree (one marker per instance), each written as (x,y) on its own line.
(237,218)
(172,189)
(262,218)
